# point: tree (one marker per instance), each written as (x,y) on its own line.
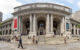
(78,25)
(1,24)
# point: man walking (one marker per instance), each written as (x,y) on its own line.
(20,42)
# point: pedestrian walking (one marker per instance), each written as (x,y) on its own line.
(37,40)
(65,39)
(33,39)
(20,42)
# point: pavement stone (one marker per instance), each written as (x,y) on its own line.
(68,46)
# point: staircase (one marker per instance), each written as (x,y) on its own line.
(41,38)
(56,39)
(26,40)
(47,40)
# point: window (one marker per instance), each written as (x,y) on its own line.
(67,26)
(41,25)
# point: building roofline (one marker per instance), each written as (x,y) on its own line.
(7,20)
(42,3)
(74,20)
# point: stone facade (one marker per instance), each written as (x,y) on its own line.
(42,19)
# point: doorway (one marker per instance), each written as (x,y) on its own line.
(41,27)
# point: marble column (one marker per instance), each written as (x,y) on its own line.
(19,24)
(5,30)
(62,26)
(8,29)
(49,25)
(32,25)
(52,24)
(77,31)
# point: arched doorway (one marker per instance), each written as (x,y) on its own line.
(26,26)
(41,27)
(56,26)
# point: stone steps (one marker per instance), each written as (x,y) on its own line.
(54,38)
(41,38)
(26,40)
(47,40)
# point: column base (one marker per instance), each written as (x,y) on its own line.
(51,34)
(31,34)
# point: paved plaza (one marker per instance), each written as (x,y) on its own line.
(69,46)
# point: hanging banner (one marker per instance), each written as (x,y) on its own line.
(15,22)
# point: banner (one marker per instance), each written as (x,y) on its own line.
(15,22)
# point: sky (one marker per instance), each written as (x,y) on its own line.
(7,6)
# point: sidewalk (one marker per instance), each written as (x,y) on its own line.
(11,45)
(68,46)
(32,47)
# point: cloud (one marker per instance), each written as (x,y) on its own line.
(78,4)
(70,1)
(6,6)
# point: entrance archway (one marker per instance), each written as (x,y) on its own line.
(26,26)
(41,27)
(56,26)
